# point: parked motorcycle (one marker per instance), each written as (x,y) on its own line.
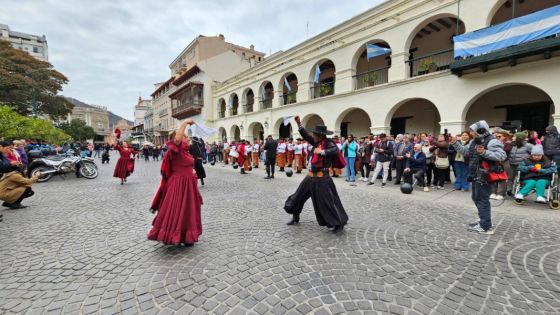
(63,164)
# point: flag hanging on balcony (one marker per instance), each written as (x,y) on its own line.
(230,104)
(287,85)
(374,51)
(317,73)
(520,30)
(263,94)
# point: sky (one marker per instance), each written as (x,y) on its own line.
(114,51)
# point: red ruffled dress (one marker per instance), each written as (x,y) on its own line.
(125,164)
(178,200)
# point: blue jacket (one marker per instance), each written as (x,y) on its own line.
(416,161)
(350,150)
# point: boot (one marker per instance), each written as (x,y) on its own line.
(338,228)
(294,220)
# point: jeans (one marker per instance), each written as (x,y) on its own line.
(462,170)
(481,197)
(97,153)
(399,166)
(365,169)
(351,168)
(429,172)
(539,185)
(416,173)
(512,174)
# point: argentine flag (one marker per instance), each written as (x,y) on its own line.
(374,51)
(287,85)
(317,73)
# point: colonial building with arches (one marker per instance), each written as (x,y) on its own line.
(417,86)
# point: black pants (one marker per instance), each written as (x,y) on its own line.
(418,174)
(326,202)
(399,166)
(270,166)
(26,194)
(429,172)
(220,156)
(365,169)
(439,179)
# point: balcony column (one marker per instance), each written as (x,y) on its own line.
(304,91)
(399,68)
(556,119)
(453,127)
(275,100)
(343,81)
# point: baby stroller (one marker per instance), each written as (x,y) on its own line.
(105,157)
(552,191)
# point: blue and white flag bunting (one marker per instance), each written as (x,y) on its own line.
(374,51)
(263,94)
(317,73)
(520,30)
(287,85)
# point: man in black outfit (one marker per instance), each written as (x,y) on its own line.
(318,185)
(270,147)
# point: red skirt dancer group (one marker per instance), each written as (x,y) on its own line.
(125,164)
(178,201)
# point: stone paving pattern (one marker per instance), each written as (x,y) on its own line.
(80,248)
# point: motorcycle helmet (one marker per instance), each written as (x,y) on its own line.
(406,188)
(289,173)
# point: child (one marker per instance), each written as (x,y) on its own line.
(536,173)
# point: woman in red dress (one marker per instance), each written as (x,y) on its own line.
(125,164)
(178,201)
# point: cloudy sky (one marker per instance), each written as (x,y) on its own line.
(113,51)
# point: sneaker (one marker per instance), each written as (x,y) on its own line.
(352,183)
(478,229)
(426,189)
(499,197)
(383,184)
(519,197)
(493,196)
(371,183)
(541,199)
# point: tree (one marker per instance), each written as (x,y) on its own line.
(78,130)
(29,85)
(16,126)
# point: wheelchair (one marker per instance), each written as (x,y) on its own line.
(552,193)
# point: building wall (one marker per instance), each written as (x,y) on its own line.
(35,45)
(396,23)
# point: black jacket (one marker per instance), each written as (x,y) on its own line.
(5,166)
(551,144)
(331,150)
(270,146)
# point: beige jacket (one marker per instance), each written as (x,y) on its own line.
(13,185)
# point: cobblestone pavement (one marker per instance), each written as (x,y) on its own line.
(80,247)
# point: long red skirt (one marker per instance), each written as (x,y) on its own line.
(178,219)
(123,168)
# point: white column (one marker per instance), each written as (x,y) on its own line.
(556,120)
(344,81)
(399,68)
(304,93)
(453,127)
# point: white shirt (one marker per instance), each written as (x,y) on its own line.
(256,147)
(226,145)
(306,146)
(232,148)
(281,148)
(248,149)
(298,149)
(290,147)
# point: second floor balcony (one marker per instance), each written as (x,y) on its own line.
(187,101)
(266,103)
(430,63)
(323,89)
(289,98)
(372,77)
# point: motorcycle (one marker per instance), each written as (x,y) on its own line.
(63,164)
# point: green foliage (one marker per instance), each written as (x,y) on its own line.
(27,83)
(78,130)
(426,64)
(291,98)
(16,126)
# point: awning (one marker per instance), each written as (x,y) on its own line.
(520,30)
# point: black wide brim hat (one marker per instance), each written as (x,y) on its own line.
(321,130)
